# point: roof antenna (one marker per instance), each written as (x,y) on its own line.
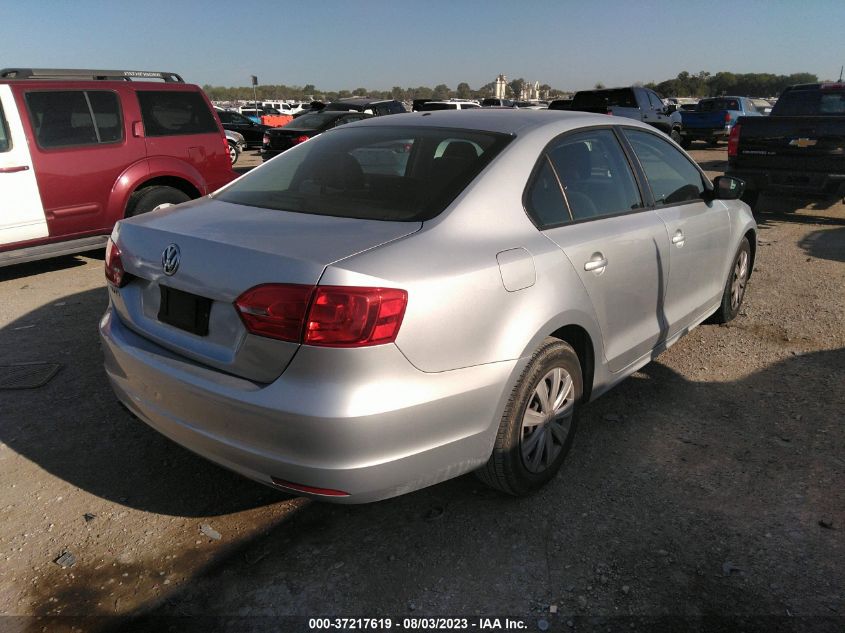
(841,68)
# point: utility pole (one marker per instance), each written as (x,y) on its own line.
(255,94)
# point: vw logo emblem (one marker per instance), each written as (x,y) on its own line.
(170,259)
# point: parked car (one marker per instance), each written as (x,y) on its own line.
(236,145)
(375,107)
(252,132)
(797,148)
(304,128)
(81,149)
(379,321)
(640,104)
(431,106)
(416,104)
(492,102)
(560,104)
(711,120)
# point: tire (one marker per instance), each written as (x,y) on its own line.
(156,197)
(686,143)
(735,286)
(519,465)
(713,142)
(233,153)
(675,135)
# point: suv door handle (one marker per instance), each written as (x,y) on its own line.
(597,263)
(678,238)
(12,170)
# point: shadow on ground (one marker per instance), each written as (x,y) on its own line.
(75,429)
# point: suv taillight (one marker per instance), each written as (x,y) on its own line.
(727,117)
(327,316)
(300,139)
(733,140)
(115,274)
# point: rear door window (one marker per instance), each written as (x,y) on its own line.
(672,177)
(64,118)
(597,180)
(169,113)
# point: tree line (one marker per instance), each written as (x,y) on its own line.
(686,84)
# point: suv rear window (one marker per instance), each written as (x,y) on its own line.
(404,174)
(168,113)
(63,118)
(714,105)
(810,103)
(619,98)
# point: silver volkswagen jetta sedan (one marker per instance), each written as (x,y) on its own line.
(409,298)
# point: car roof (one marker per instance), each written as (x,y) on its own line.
(503,121)
(361,101)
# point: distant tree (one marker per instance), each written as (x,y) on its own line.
(422,92)
(360,92)
(397,92)
(343,94)
(463,90)
(441,91)
(599,86)
(515,86)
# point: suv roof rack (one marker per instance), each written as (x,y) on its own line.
(80,74)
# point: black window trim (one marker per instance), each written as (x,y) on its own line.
(84,92)
(640,171)
(572,221)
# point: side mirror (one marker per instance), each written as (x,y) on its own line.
(669,109)
(728,188)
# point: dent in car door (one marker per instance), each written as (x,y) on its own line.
(21,211)
(698,231)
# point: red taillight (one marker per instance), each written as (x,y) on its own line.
(733,140)
(326,316)
(275,310)
(326,492)
(300,139)
(115,274)
(225,145)
(727,117)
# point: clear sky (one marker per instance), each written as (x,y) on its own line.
(380,44)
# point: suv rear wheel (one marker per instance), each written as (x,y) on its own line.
(152,198)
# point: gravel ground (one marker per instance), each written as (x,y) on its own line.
(711,485)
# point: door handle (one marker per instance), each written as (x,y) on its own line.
(678,238)
(597,263)
(12,170)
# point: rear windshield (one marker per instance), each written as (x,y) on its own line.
(714,105)
(427,107)
(167,113)
(404,174)
(313,121)
(619,98)
(810,103)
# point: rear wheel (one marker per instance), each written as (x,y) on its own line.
(686,143)
(153,198)
(675,135)
(735,286)
(539,422)
(233,152)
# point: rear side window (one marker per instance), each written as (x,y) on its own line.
(75,117)
(544,200)
(672,177)
(5,143)
(169,113)
(383,173)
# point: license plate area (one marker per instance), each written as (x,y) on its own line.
(184,310)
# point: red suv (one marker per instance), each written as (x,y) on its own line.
(81,149)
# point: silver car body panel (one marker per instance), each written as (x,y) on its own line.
(485,287)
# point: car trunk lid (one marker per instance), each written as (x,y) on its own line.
(224,250)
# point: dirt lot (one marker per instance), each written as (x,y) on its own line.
(709,485)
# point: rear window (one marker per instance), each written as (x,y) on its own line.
(428,107)
(169,113)
(620,98)
(5,144)
(810,103)
(714,105)
(401,174)
(65,118)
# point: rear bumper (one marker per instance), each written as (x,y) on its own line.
(363,421)
(790,181)
(706,133)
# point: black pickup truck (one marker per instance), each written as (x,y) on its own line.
(799,148)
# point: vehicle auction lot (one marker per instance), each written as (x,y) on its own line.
(711,483)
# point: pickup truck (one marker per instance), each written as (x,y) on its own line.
(711,120)
(635,102)
(797,149)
